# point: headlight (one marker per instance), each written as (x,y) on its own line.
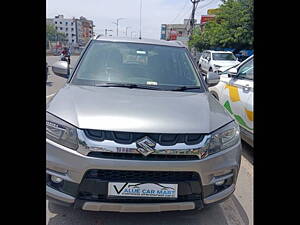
(61,132)
(222,138)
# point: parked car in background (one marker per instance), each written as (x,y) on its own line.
(196,57)
(212,61)
(235,92)
(243,54)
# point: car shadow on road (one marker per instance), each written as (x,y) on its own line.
(248,152)
(62,76)
(224,213)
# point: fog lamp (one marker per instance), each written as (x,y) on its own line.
(219,183)
(56,180)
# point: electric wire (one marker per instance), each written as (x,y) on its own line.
(180,12)
(203,6)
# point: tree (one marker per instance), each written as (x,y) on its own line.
(232,27)
(53,35)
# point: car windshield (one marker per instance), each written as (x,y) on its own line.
(223,56)
(119,63)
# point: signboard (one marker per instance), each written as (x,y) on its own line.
(213,11)
(143,190)
(206,18)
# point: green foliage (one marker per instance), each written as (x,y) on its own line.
(232,27)
(53,35)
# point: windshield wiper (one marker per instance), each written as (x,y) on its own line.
(126,86)
(183,88)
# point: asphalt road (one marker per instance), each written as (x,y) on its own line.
(237,210)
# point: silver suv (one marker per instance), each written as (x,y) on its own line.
(135,129)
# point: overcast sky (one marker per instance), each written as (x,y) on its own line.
(105,12)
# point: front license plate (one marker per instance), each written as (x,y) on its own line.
(142,190)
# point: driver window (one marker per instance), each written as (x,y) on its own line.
(246,71)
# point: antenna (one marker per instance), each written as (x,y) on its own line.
(140,19)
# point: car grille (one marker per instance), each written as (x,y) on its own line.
(94,185)
(131,137)
(151,157)
(142,176)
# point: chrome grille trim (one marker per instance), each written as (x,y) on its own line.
(87,145)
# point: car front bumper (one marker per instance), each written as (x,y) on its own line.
(72,167)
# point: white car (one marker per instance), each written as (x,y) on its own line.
(235,92)
(212,61)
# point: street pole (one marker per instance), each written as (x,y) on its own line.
(105,32)
(126,30)
(192,22)
(140,19)
(117,23)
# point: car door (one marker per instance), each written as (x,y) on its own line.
(201,60)
(237,95)
(206,65)
(204,61)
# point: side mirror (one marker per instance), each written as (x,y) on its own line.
(60,68)
(212,79)
(232,72)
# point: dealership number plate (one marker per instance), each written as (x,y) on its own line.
(142,190)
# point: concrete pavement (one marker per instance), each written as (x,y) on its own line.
(237,210)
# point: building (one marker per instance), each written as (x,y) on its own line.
(74,29)
(178,32)
(87,29)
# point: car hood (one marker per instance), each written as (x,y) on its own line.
(226,63)
(138,110)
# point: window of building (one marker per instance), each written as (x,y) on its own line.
(72,40)
(66,29)
(60,22)
(66,23)
(72,29)
(60,28)
(55,22)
